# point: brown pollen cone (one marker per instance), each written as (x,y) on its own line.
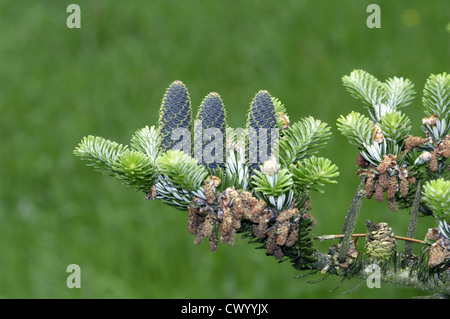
(437,255)
(229,238)
(227,222)
(209,191)
(379,193)
(271,243)
(446,147)
(404,187)
(198,235)
(370,185)
(194,219)
(261,230)
(283,232)
(384,165)
(383,181)
(392,187)
(413,141)
(243,207)
(258,208)
(208,225)
(393,205)
(440,250)
(287,214)
(214,240)
(434,160)
(293,235)
(152,193)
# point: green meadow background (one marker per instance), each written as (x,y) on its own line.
(108,78)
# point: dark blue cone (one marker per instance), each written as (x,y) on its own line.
(175,113)
(261,122)
(210,132)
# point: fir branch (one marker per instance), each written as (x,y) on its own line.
(99,153)
(274,209)
(235,165)
(413,218)
(147,141)
(436,194)
(279,106)
(379,98)
(374,152)
(365,88)
(181,170)
(438,131)
(436,96)
(392,274)
(399,92)
(303,139)
(274,184)
(133,168)
(351,218)
(395,126)
(172,194)
(282,117)
(313,173)
(304,257)
(330,237)
(358,129)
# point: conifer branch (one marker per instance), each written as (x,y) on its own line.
(412,277)
(313,173)
(436,96)
(351,218)
(147,141)
(329,237)
(264,195)
(399,92)
(365,88)
(413,218)
(303,139)
(358,128)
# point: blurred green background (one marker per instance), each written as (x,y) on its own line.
(108,78)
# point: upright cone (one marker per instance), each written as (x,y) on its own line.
(175,119)
(380,241)
(262,130)
(210,132)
